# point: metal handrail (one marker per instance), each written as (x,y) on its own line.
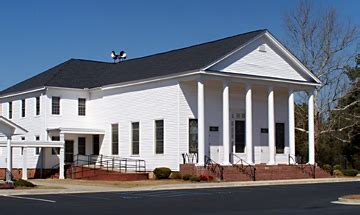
(302,165)
(243,166)
(213,166)
(111,162)
(189,158)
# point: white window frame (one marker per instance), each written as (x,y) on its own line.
(51,106)
(111,138)
(154,136)
(35,104)
(131,139)
(21,108)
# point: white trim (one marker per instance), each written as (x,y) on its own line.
(34,144)
(22,92)
(292,57)
(149,80)
(131,139)
(269,79)
(13,125)
(82,131)
(278,45)
(154,136)
(232,52)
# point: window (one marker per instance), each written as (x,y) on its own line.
(37,106)
(10,110)
(37,149)
(96,144)
(159,136)
(23,108)
(22,148)
(115,139)
(55,107)
(55,151)
(280,137)
(135,138)
(193,136)
(81,145)
(239,136)
(82,107)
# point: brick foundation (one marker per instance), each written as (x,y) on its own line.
(32,173)
(263,172)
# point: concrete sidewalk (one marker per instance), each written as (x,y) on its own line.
(64,188)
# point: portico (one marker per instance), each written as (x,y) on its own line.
(254,114)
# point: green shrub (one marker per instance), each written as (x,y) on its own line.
(195,178)
(175,175)
(162,172)
(186,177)
(337,167)
(350,172)
(328,168)
(23,183)
(337,172)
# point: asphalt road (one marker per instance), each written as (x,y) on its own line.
(284,199)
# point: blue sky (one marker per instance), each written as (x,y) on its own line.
(37,35)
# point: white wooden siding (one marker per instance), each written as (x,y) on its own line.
(271,63)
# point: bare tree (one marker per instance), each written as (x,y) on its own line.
(325,44)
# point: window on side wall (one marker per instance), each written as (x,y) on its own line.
(135,138)
(81,107)
(115,139)
(37,149)
(55,150)
(23,108)
(37,106)
(10,110)
(55,105)
(159,136)
(22,148)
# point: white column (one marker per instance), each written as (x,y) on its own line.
(291,129)
(62,158)
(9,161)
(311,129)
(248,125)
(24,167)
(271,126)
(201,122)
(226,123)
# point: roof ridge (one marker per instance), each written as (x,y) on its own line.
(178,49)
(57,72)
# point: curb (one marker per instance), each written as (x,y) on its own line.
(184,186)
(344,201)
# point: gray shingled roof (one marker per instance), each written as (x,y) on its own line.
(76,73)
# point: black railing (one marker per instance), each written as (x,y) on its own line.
(245,167)
(190,158)
(214,167)
(298,161)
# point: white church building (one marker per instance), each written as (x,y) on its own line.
(227,99)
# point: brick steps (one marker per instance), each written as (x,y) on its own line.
(263,172)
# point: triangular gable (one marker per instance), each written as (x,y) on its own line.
(264,57)
(8,128)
